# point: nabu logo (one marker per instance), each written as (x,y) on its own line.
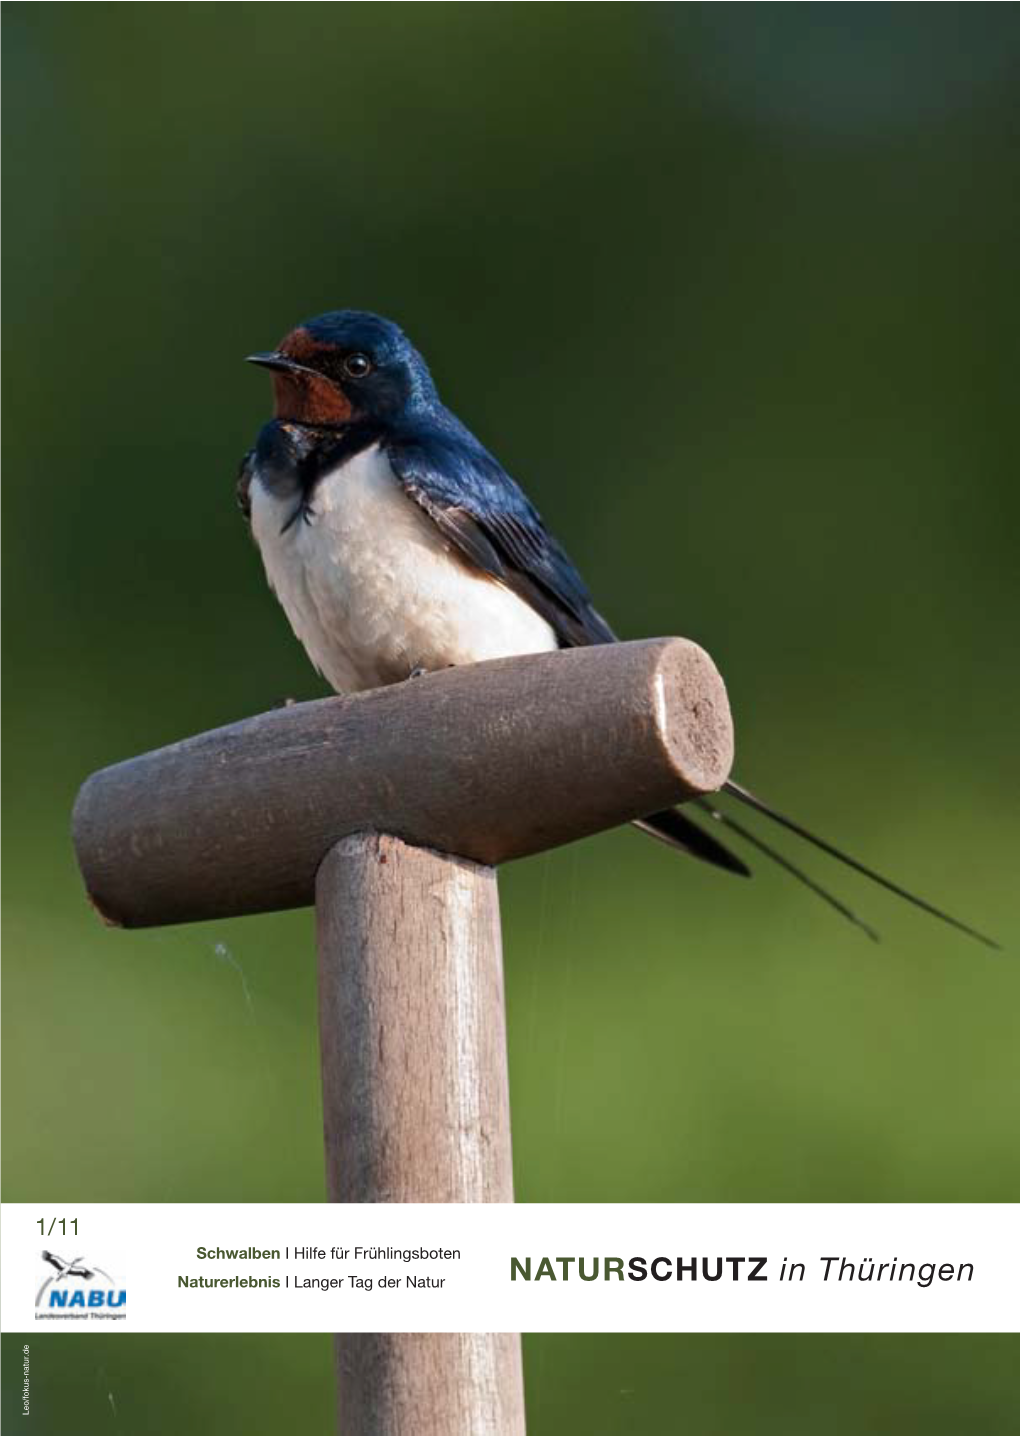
(68,1291)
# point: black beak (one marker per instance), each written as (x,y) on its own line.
(273,359)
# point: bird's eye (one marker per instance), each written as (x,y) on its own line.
(356,366)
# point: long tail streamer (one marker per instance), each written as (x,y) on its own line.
(784,862)
(745,796)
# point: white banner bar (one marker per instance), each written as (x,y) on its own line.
(501,1268)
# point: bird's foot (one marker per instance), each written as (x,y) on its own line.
(419,672)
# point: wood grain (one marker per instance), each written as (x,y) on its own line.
(492,762)
(430,1385)
(412,1027)
(416,1106)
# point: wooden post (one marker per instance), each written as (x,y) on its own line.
(416,1103)
(431,1384)
(389,810)
(415,1106)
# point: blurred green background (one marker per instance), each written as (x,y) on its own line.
(576,1385)
(733,291)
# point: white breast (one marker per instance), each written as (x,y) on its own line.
(373,591)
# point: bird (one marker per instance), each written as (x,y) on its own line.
(67,1268)
(398,545)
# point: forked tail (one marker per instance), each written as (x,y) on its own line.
(751,800)
(674,827)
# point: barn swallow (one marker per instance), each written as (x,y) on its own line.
(397,544)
